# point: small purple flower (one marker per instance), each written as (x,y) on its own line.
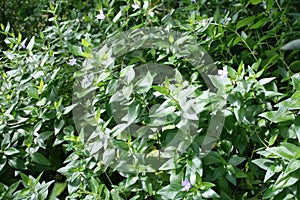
(72,61)
(186,185)
(100,15)
(265,5)
(223,73)
(226,20)
(193,1)
(135,5)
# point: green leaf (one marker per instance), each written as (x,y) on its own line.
(32,92)
(197,165)
(219,82)
(161,89)
(117,17)
(41,102)
(120,144)
(263,163)
(9,55)
(295,66)
(11,151)
(231,72)
(162,44)
(273,139)
(57,190)
(168,16)
(131,180)
(40,159)
(115,195)
(236,160)
(45,59)
(293,165)
(296,81)
(168,165)
(239,173)
(74,184)
(216,15)
(133,111)
(26,179)
(170,191)
(266,80)
(291,147)
(289,104)
(31,44)
(7,27)
(69,108)
(281,152)
(245,22)
(213,157)
(75,50)
(210,193)
(231,178)
(286,180)
(178,76)
(292,45)
(271,192)
(19,37)
(244,35)
(17,163)
(206,185)
(3,161)
(255,2)
(145,83)
(161,111)
(45,135)
(12,188)
(58,124)
(259,24)
(278,116)
(270,172)
(127,71)
(297,127)
(95,185)
(85,43)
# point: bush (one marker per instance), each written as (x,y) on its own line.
(87,112)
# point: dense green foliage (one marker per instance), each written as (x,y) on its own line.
(43,148)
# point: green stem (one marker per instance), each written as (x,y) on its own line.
(251,51)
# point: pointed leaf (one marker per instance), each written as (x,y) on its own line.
(30,44)
(292,45)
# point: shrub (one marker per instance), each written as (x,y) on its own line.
(79,58)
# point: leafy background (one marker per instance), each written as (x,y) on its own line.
(43,156)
